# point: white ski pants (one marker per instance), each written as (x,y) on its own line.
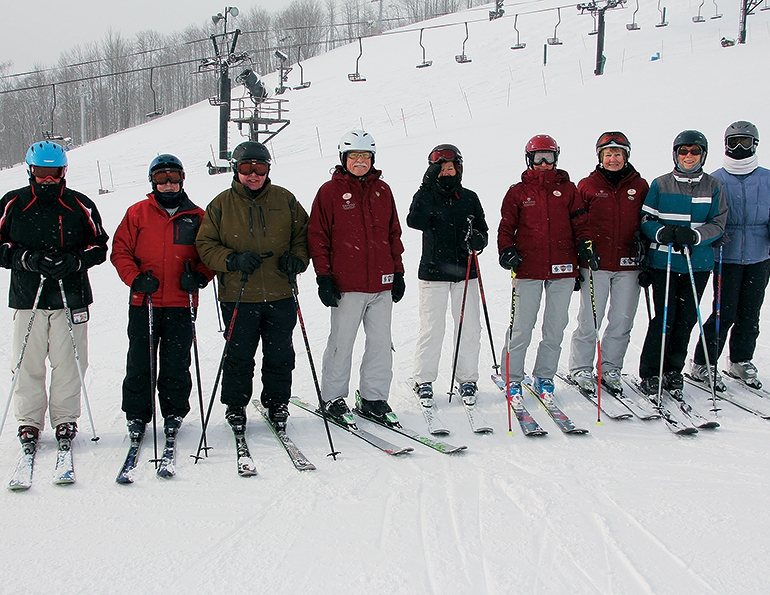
(49,339)
(434,296)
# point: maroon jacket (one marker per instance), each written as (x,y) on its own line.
(614,216)
(354,234)
(149,240)
(543,218)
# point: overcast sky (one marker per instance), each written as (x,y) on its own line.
(41,29)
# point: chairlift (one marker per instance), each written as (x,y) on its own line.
(425,63)
(50,134)
(699,18)
(716,14)
(595,30)
(662,12)
(555,40)
(462,58)
(355,77)
(155,111)
(765,7)
(518,45)
(633,25)
(302,83)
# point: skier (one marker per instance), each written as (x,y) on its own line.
(745,254)
(613,195)
(256,230)
(542,231)
(684,208)
(154,253)
(354,238)
(50,235)
(441,209)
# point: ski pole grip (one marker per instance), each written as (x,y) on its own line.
(187,267)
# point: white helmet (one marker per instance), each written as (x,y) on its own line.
(356,140)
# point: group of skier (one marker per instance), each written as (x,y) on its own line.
(608,237)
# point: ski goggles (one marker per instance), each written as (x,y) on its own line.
(548,157)
(613,139)
(733,142)
(681,151)
(43,172)
(355,155)
(442,155)
(167,176)
(246,168)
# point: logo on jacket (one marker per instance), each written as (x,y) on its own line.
(627,262)
(561,269)
(631,192)
(529,202)
(347,205)
(557,193)
(387,279)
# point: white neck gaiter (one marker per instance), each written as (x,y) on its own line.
(741,167)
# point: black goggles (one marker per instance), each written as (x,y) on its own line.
(246,168)
(733,142)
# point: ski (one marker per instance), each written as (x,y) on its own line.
(246,467)
(565,423)
(22,475)
(126,471)
(728,397)
(607,406)
(434,423)
(695,417)
(640,407)
(167,466)
(299,460)
(351,427)
(65,471)
(760,392)
(527,423)
(478,423)
(676,425)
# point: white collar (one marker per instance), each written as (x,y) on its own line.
(741,167)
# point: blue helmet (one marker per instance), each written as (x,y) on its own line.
(164,161)
(45,154)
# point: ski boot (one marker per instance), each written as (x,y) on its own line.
(424,392)
(612,380)
(379,410)
(236,417)
(700,372)
(278,413)
(468,393)
(171,425)
(585,380)
(338,410)
(747,372)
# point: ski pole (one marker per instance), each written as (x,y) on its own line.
(665,321)
(68,312)
(704,343)
(216,306)
(462,311)
(508,351)
(718,312)
(153,379)
(321,405)
(228,337)
(598,349)
(495,365)
(195,354)
(647,301)
(21,352)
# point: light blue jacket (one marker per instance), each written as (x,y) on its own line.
(748,218)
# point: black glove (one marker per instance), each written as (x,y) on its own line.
(399,287)
(578,280)
(510,259)
(327,291)
(667,235)
(645,278)
(191,281)
(686,236)
(29,260)
(477,241)
(431,175)
(246,262)
(145,283)
(588,254)
(58,267)
(290,264)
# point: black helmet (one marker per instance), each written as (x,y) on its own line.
(442,153)
(691,137)
(741,140)
(250,151)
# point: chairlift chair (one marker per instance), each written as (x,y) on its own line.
(303,84)
(518,45)
(716,14)
(50,134)
(765,7)
(425,63)
(663,22)
(355,77)
(462,58)
(595,30)
(699,18)
(633,25)
(555,40)
(155,111)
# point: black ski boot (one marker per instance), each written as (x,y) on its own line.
(171,425)
(135,429)
(236,417)
(649,386)
(278,414)
(378,410)
(338,410)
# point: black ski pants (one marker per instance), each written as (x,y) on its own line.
(682,317)
(272,323)
(172,338)
(743,292)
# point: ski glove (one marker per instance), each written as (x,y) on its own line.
(510,259)
(58,267)
(191,281)
(477,241)
(645,278)
(588,254)
(246,262)
(29,260)
(578,280)
(290,264)
(667,234)
(686,236)
(327,291)
(145,283)
(399,287)
(431,175)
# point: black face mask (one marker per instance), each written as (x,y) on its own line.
(739,152)
(169,200)
(448,183)
(47,191)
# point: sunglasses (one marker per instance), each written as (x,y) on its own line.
(359,155)
(548,157)
(694,151)
(734,142)
(609,138)
(442,155)
(246,168)
(43,172)
(167,176)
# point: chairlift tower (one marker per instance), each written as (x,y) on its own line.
(747,8)
(597,8)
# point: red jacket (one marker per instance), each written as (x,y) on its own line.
(543,218)
(354,234)
(614,216)
(149,240)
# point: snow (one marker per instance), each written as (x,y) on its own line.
(628,508)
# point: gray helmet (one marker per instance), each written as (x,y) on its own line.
(250,151)
(741,140)
(742,128)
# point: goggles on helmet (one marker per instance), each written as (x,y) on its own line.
(613,139)
(167,176)
(548,157)
(733,142)
(43,172)
(246,168)
(442,155)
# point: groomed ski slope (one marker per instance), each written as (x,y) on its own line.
(628,508)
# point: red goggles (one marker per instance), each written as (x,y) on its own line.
(617,139)
(42,172)
(246,168)
(167,176)
(442,155)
